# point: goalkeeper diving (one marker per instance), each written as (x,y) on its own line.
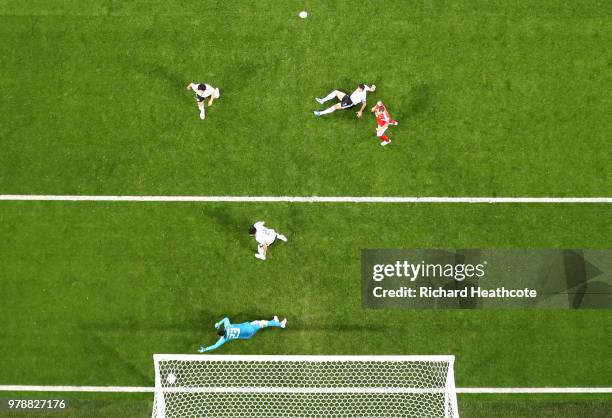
(228,331)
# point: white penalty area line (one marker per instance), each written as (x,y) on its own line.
(303,199)
(142,389)
(534,390)
(35,388)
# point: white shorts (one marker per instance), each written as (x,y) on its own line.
(380,131)
(269,243)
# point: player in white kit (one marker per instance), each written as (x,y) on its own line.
(264,237)
(358,97)
(203,91)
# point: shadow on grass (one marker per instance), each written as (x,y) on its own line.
(173,80)
(334,328)
(235,225)
(415,101)
(196,321)
(242,73)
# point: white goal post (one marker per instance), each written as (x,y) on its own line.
(304,386)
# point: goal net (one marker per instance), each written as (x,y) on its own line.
(304,386)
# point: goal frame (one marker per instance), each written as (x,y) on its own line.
(450,392)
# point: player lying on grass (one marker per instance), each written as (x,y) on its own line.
(383,119)
(264,237)
(228,331)
(346,101)
(202,91)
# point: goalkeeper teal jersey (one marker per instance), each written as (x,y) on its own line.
(242,331)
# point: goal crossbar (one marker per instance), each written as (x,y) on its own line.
(252,389)
(300,358)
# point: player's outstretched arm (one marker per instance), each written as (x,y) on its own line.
(218,344)
(361,110)
(188,87)
(225,322)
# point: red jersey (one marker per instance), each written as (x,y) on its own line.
(383,118)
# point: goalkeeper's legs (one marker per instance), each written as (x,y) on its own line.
(271,323)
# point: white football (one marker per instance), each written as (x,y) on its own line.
(303,14)
(171,378)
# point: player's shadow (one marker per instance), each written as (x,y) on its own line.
(173,80)
(242,73)
(245,316)
(416,100)
(236,226)
(202,321)
(295,221)
(347,85)
(225,218)
(198,321)
(336,327)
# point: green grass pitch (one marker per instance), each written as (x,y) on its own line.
(494,98)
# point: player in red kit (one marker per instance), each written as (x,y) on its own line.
(383,119)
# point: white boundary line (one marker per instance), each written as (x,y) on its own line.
(34,388)
(143,389)
(303,358)
(303,199)
(534,390)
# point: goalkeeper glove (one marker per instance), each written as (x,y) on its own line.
(202,350)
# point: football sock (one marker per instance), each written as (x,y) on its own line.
(273,323)
(330,96)
(384,138)
(328,110)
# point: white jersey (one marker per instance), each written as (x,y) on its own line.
(264,235)
(207,92)
(358,97)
